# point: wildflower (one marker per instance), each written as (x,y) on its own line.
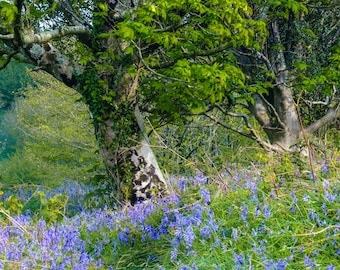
(325,183)
(262,228)
(257,210)
(234,234)
(324,169)
(306,198)
(324,209)
(266,211)
(330,197)
(123,236)
(239,259)
(307,261)
(173,254)
(281,264)
(205,232)
(182,184)
(244,212)
(189,237)
(201,180)
(230,210)
(205,194)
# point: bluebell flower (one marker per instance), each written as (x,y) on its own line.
(173,254)
(330,196)
(205,194)
(266,211)
(325,184)
(189,237)
(324,209)
(184,267)
(306,198)
(239,259)
(205,232)
(182,184)
(257,210)
(324,169)
(201,179)
(307,261)
(123,237)
(230,211)
(234,234)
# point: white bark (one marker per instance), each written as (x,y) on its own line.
(48,36)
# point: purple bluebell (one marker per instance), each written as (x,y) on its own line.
(189,237)
(234,234)
(173,254)
(266,211)
(257,210)
(205,194)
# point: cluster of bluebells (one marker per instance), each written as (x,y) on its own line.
(244,237)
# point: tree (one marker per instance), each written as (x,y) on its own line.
(170,58)
(53,134)
(287,76)
(298,66)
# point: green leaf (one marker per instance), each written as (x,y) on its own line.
(126,32)
(301,65)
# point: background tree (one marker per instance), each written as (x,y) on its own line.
(54,137)
(288,81)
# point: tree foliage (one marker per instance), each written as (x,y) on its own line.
(256,59)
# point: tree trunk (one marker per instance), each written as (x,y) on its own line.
(128,157)
(277,112)
(119,126)
(279,120)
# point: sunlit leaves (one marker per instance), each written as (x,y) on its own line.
(7,13)
(281,8)
(191,87)
(180,39)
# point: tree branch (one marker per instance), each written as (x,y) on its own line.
(333,113)
(47,36)
(279,120)
(9,57)
(191,55)
(227,126)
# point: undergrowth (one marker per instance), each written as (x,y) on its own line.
(249,219)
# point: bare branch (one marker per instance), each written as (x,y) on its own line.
(311,103)
(279,121)
(227,126)
(266,61)
(193,54)
(332,114)
(48,36)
